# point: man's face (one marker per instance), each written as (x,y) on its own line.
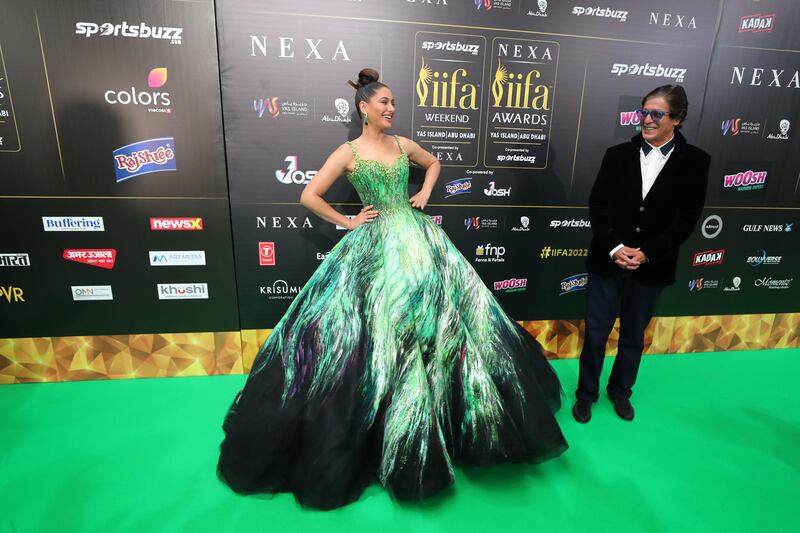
(658,132)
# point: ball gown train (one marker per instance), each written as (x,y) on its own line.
(393,362)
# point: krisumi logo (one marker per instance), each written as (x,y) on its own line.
(749,180)
(492,190)
(524,224)
(11,294)
(15,260)
(292,175)
(548,252)
(102,258)
(156,101)
(784,126)
(286,48)
(266,254)
(141,31)
(761,258)
(571,223)
(709,257)
(756,23)
(182,291)
(92,292)
(451,46)
(671,20)
(776,78)
(601,12)
(342,112)
(711,227)
(770,283)
(177,224)
(735,285)
(700,284)
(735,126)
(653,71)
(284,222)
(280,290)
(511,285)
(73,223)
(144,157)
(768,228)
(574,283)
(459,186)
(177,257)
(486,253)
(481,223)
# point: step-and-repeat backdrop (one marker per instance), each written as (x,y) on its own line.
(152,155)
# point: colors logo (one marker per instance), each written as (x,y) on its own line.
(102,258)
(177,224)
(266,254)
(144,157)
(159,101)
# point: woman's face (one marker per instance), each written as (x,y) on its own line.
(658,132)
(380,108)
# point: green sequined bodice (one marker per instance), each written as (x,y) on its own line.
(384,187)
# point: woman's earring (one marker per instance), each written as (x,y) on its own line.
(366,119)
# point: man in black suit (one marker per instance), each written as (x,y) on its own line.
(645,203)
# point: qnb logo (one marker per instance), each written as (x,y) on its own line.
(182,291)
(709,257)
(761,258)
(125,29)
(292,174)
(11,294)
(157,101)
(629,118)
(487,253)
(756,23)
(261,105)
(493,190)
(653,71)
(746,181)
(732,126)
(176,224)
(511,285)
(145,157)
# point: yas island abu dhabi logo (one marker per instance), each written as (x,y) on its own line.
(273,107)
(155,101)
(497,5)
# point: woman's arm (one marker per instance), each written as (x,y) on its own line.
(312,199)
(432,167)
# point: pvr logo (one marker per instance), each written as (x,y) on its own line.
(11,294)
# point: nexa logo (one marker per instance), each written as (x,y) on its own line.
(286,48)
(180,223)
(11,294)
(282,223)
(755,78)
(673,21)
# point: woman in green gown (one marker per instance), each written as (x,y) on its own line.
(395,360)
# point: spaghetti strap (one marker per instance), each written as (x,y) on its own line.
(397,140)
(353,149)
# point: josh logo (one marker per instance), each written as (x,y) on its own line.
(712,226)
(524,224)
(486,253)
(280,290)
(177,258)
(749,180)
(176,224)
(102,258)
(756,23)
(784,126)
(459,186)
(15,260)
(92,292)
(155,101)
(761,258)
(292,174)
(11,294)
(266,253)
(492,190)
(735,285)
(141,31)
(73,223)
(287,48)
(574,283)
(182,291)
(709,257)
(511,285)
(144,157)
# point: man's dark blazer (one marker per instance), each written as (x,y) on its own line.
(660,223)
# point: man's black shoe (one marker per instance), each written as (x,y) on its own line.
(582,411)
(623,407)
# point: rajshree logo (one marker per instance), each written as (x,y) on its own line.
(709,257)
(177,224)
(145,157)
(511,285)
(446,89)
(756,23)
(746,181)
(102,258)
(574,283)
(459,186)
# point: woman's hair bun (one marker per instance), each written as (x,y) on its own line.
(365,77)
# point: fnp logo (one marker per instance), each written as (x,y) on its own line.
(144,157)
(749,180)
(176,224)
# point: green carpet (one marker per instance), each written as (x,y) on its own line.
(715,447)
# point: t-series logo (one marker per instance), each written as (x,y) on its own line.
(156,101)
(266,254)
(144,157)
(292,174)
(176,224)
(141,31)
(183,291)
(73,223)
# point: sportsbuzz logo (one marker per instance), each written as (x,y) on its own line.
(125,29)
(651,71)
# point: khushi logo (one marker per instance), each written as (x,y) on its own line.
(709,257)
(459,186)
(756,23)
(157,101)
(145,157)
(266,254)
(749,180)
(183,291)
(102,258)
(141,31)
(292,174)
(511,285)
(177,224)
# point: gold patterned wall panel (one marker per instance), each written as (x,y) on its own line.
(27,360)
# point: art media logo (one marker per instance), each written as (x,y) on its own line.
(177,257)
(144,157)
